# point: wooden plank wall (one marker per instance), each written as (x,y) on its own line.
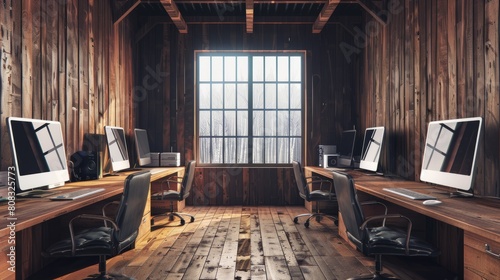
(433,60)
(167,110)
(65,61)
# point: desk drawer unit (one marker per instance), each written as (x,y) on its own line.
(481,262)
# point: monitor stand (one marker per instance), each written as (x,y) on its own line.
(461,194)
(37,193)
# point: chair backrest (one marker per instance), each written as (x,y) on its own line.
(349,207)
(132,204)
(300,179)
(187,180)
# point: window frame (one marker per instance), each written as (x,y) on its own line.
(250,53)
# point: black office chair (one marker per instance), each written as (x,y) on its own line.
(323,194)
(377,240)
(108,240)
(173,195)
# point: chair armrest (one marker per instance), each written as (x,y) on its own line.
(392,216)
(374,202)
(104,209)
(317,179)
(314,178)
(322,182)
(173,179)
(91,217)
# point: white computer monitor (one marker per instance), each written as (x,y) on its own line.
(450,152)
(142,147)
(371,149)
(39,153)
(346,148)
(117,147)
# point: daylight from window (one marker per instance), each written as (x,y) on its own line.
(249,108)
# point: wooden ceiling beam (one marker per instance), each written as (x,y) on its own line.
(175,15)
(249,15)
(125,10)
(324,15)
(374,11)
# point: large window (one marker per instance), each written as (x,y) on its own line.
(249,107)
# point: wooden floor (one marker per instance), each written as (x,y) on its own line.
(231,243)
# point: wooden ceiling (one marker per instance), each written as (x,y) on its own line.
(183,13)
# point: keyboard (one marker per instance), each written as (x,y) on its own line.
(409,193)
(77,194)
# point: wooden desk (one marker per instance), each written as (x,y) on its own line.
(473,222)
(38,222)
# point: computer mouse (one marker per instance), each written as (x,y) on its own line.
(432,202)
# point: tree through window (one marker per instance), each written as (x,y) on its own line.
(249,107)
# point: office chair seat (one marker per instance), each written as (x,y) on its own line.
(392,241)
(88,242)
(167,195)
(318,195)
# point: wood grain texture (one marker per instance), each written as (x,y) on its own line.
(55,58)
(449,70)
(208,247)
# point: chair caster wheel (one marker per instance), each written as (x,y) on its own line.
(336,223)
(306,224)
(318,219)
(192,219)
(182,222)
(296,220)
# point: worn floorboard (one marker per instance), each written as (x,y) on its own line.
(233,242)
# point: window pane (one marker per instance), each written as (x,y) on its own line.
(295,70)
(295,148)
(229,68)
(217,151)
(270,65)
(283,96)
(204,123)
(230,96)
(283,68)
(204,101)
(283,122)
(270,96)
(270,123)
(230,123)
(204,69)
(270,150)
(295,96)
(283,150)
(258,123)
(295,123)
(217,123)
(217,96)
(242,96)
(217,68)
(242,150)
(242,123)
(230,150)
(226,102)
(258,96)
(258,69)
(242,68)
(258,150)
(205,150)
